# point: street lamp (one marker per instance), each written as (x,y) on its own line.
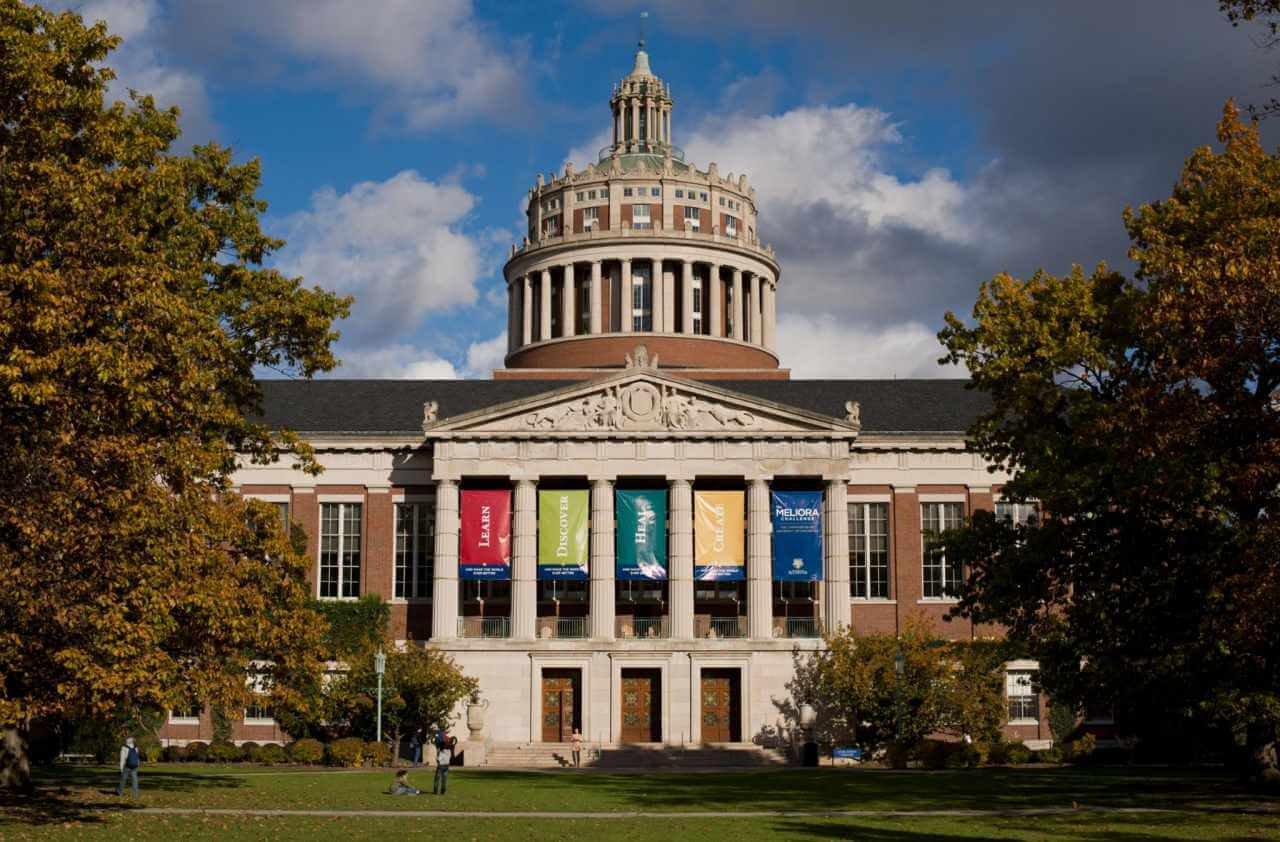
(379,667)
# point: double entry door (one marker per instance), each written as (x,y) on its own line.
(721,708)
(641,706)
(561,712)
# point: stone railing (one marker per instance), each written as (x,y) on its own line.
(593,235)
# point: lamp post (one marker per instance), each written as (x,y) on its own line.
(379,667)
(897,692)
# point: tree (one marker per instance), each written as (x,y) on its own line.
(134,310)
(1267,13)
(1142,415)
(424,688)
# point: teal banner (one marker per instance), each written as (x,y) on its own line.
(642,535)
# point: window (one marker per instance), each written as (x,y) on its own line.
(186,715)
(697,307)
(1024,701)
(340,550)
(1019,514)
(590,217)
(259,712)
(692,219)
(654,191)
(282,509)
(640,217)
(415,550)
(641,298)
(591,194)
(626,191)
(722,201)
(679,194)
(941,577)
(581,195)
(869,550)
(730,226)
(553,226)
(604,194)
(704,197)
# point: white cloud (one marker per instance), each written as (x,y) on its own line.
(393,362)
(588,152)
(396,245)
(823,347)
(484,357)
(139,64)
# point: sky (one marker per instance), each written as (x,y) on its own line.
(902,153)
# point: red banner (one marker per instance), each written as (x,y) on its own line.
(484,541)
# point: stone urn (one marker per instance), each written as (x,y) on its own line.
(475,716)
(808,716)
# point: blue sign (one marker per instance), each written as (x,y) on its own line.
(797,536)
(847,753)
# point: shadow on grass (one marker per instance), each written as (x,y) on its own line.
(88,793)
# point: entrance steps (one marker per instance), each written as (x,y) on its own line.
(634,756)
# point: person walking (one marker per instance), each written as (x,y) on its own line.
(129,763)
(415,748)
(444,756)
(577,747)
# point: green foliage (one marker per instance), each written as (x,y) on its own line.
(306,751)
(221,724)
(173,754)
(1017,754)
(348,751)
(1080,749)
(377,754)
(1063,721)
(149,748)
(197,751)
(1140,413)
(1053,754)
(270,754)
(224,751)
(354,628)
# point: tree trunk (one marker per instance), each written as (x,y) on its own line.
(15,766)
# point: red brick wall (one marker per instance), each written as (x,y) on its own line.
(379,544)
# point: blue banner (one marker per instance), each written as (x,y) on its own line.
(797,536)
(642,535)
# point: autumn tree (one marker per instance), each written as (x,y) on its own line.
(134,310)
(1142,414)
(423,688)
(1266,13)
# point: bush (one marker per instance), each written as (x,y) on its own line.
(1080,749)
(249,750)
(1017,754)
(344,752)
(306,751)
(933,754)
(197,752)
(173,754)
(377,754)
(1062,721)
(149,748)
(1053,754)
(224,751)
(897,755)
(271,754)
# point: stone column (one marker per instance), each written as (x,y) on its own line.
(545,306)
(770,314)
(444,594)
(680,557)
(668,301)
(526,310)
(655,290)
(594,297)
(756,287)
(634,137)
(835,555)
(738,309)
(511,316)
(759,555)
(567,302)
(686,297)
(625,294)
(716,302)
(524,562)
(602,561)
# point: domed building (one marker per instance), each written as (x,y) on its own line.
(632,528)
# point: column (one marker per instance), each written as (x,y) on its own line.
(545,306)
(594,297)
(444,595)
(668,301)
(681,560)
(616,115)
(835,556)
(717,295)
(770,314)
(635,123)
(602,561)
(524,562)
(755,309)
(686,296)
(759,552)
(655,280)
(567,303)
(526,310)
(737,303)
(511,316)
(625,294)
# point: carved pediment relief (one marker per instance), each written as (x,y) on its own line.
(640,406)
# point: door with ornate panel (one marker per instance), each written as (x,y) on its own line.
(560,712)
(721,710)
(641,706)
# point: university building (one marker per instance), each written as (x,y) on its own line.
(631,528)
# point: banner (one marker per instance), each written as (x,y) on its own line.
(562,534)
(642,535)
(484,536)
(797,536)
(718,521)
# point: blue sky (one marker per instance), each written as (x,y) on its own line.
(903,153)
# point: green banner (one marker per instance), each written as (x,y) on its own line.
(642,535)
(562,534)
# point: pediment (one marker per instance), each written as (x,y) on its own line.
(640,401)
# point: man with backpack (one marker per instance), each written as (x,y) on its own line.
(444,756)
(129,763)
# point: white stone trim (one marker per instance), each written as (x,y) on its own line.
(618,661)
(1022,664)
(710,660)
(869,498)
(539,661)
(340,498)
(943,498)
(267,498)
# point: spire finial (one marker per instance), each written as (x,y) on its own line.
(643,15)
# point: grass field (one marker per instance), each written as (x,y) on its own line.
(76,803)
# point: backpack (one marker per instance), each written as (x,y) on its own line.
(131,762)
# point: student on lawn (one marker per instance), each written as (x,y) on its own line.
(444,756)
(400,786)
(129,763)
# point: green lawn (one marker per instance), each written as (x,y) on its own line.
(76,803)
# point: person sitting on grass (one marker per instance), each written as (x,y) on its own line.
(400,786)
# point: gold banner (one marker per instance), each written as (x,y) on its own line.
(718,521)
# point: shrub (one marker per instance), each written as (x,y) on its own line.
(344,752)
(1062,721)
(966,755)
(1017,754)
(149,748)
(224,751)
(897,755)
(1080,749)
(933,754)
(271,754)
(377,754)
(173,754)
(1053,754)
(197,752)
(249,751)
(306,751)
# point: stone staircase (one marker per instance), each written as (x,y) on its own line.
(634,756)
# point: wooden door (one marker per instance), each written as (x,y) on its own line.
(559,705)
(641,706)
(720,707)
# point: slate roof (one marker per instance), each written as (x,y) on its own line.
(395,406)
